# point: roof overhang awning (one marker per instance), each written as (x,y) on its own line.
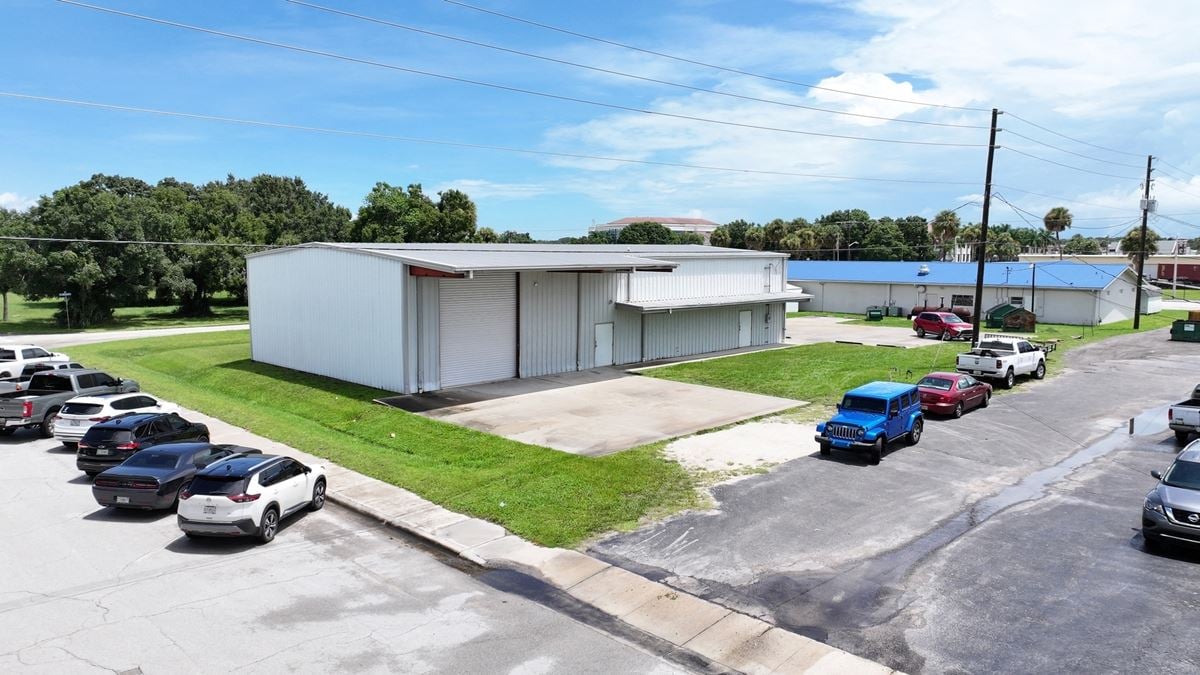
(653,306)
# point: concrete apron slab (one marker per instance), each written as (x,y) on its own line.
(815,329)
(597,418)
(725,637)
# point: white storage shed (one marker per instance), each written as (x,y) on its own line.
(421,317)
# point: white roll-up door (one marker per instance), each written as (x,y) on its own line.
(478,325)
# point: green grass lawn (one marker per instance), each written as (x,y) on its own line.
(821,373)
(30,317)
(1181,294)
(551,497)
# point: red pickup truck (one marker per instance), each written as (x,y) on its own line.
(943,325)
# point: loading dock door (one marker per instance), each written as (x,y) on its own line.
(478,329)
(745,318)
(604,345)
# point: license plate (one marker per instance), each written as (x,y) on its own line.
(103,451)
(74,423)
(122,500)
(210,509)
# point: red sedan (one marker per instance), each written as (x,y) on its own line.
(952,394)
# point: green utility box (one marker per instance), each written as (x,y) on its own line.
(874,314)
(1184,330)
(994,317)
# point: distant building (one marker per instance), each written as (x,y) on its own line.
(699,226)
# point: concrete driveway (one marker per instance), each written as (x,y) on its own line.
(1003,542)
(59,340)
(601,411)
(809,330)
(86,589)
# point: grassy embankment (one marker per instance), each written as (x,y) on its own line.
(29,317)
(550,497)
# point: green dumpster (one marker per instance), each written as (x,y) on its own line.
(994,317)
(1183,330)
(874,314)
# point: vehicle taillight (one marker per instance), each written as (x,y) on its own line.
(99,419)
(243,498)
(998,364)
(84,445)
(106,482)
(185,493)
(1170,414)
(132,445)
(27,409)
(143,485)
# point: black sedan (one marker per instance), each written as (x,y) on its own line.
(152,478)
(109,443)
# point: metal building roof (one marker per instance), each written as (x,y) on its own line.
(460,258)
(1058,274)
(650,306)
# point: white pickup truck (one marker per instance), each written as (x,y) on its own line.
(1184,417)
(1004,357)
(14,358)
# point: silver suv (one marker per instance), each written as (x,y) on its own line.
(1171,512)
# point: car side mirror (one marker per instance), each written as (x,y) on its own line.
(307,469)
(1156,474)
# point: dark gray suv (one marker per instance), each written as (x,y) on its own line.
(1171,512)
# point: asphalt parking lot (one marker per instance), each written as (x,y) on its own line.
(1003,542)
(86,589)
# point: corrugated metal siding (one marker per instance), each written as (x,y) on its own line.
(691,332)
(548,322)
(427,334)
(331,313)
(478,325)
(597,304)
(711,278)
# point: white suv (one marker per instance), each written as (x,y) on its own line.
(248,496)
(80,413)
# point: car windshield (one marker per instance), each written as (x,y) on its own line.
(216,485)
(1183,475)
(864,404)
(953,318)
(154,460)
(101,435)
(935,383)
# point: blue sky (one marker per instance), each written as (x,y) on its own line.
(1119,77)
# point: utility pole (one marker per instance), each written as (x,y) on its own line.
(981,246)
(1141,254)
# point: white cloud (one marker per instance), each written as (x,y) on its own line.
(478,189)
(16,202)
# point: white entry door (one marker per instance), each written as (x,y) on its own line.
(744,318)
(604,345)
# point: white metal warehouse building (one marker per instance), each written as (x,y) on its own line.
(421,317)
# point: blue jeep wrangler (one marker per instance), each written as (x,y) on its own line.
(871,416)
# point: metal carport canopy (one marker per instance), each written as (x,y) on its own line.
(465,261)
(650,306)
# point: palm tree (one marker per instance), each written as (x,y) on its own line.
(1056,220)
(944,228)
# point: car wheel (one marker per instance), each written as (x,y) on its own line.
(1041,371)
(8,431)
(1181,437)
(202,439)
(1010,379)
(91,474)
(987,398)
(825,449)
(46,428)
(875,455)
(920,332)
(958,410)
(914,436)
(318,496)
(190,535)
(941,335)
(70,445)
(1151,542)
(269,526)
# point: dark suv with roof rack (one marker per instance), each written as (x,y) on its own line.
(107,444)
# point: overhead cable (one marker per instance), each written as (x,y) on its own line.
(1071,138)
(1067,166)
(618,73)
(714,66)
(503,87)
(1069,152)
(458,144)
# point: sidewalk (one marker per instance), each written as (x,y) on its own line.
(730,639)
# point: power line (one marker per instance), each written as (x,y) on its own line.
(618,73)
(1176,220)
(1066,166)
(694,62)
(503,87)
(1022,212)
(1179,190)
(1061,199)
(458,144)
(1069,152)
(1183,171)
(1070,138)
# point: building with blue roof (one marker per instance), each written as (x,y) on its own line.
(1057,292)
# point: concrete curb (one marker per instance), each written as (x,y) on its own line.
(728,638)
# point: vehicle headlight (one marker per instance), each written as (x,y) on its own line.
(1153,503)
(860,433)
